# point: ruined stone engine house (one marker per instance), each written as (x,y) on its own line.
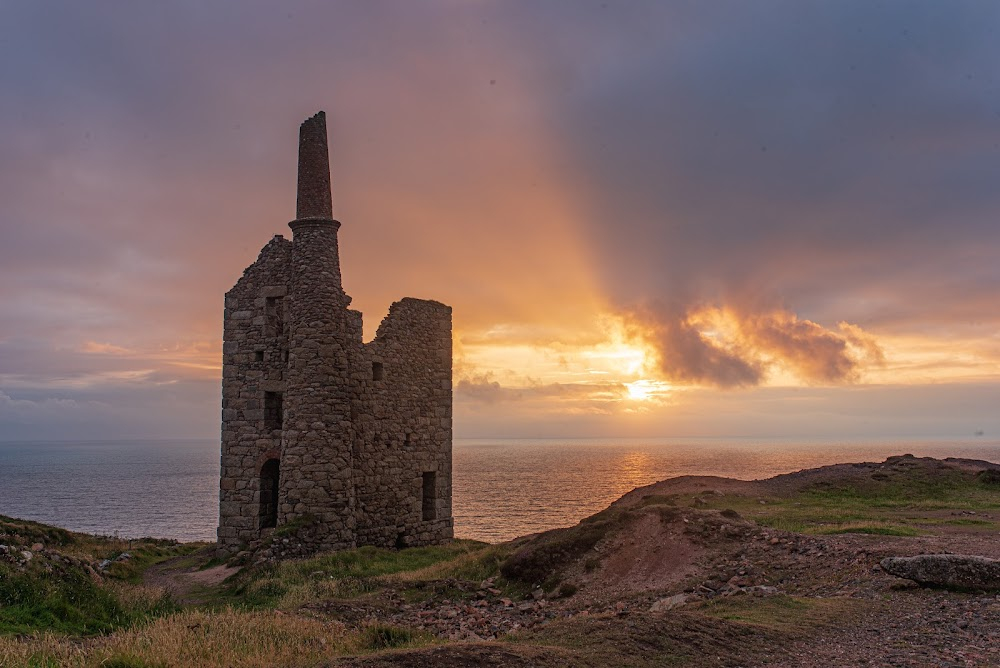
(332,442)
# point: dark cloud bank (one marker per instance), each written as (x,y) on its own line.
(797,164)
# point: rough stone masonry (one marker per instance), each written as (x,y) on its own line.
(332,442)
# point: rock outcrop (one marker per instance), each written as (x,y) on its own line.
(951,571)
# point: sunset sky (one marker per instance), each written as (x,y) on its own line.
(750,219)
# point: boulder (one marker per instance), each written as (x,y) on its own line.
(669,603)
(950,571)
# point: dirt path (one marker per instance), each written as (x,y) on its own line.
(184,578)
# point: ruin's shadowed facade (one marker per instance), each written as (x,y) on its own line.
(343,443)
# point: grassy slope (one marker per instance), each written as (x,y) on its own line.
(57,588)
(904,498)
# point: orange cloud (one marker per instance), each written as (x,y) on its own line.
(725,347)
(97,348)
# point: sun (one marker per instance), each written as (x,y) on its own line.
(638,390)
(646,390)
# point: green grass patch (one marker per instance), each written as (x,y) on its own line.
(366,562)
(961,522)
(147,552)
(480,562)
(34,532)
(53,591)
(293,527)
(898,499)
(346,574)
(779,613)
(68,602)
(874,530)
(378,637)
(911,485)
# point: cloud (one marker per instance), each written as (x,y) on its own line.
(97,348)
(840,161)
(481,398)
(689,356)
(483,389)
(729,348)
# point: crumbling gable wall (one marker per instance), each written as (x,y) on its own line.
(402,404)
(254,353)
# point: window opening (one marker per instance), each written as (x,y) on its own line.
(258,356)
(429,504)
(273,411)
(377,371)
(269,494)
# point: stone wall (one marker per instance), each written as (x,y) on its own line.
(402,408)
(254,353)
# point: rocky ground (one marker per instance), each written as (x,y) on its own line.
(875,619)
(709,571)
(690,584)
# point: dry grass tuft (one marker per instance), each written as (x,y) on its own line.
(197,638)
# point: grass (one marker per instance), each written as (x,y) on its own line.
(56,591)
(70,602)
(479,562)
(34,532)
(87,623)
(787,614)
(607,641)
(900,500)
(211,639)
(376,637)
(872,529)
(145,554)
(291,584)
(960,522)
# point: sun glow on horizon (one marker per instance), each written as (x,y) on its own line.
(646,390)
(598,367)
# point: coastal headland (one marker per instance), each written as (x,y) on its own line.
(692,571)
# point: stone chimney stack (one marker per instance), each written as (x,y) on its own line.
(314,200)
(314,230)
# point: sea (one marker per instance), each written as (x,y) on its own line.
(502,488)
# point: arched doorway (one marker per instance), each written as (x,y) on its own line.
(269,494)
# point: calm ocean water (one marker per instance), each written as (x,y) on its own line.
(502,488)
